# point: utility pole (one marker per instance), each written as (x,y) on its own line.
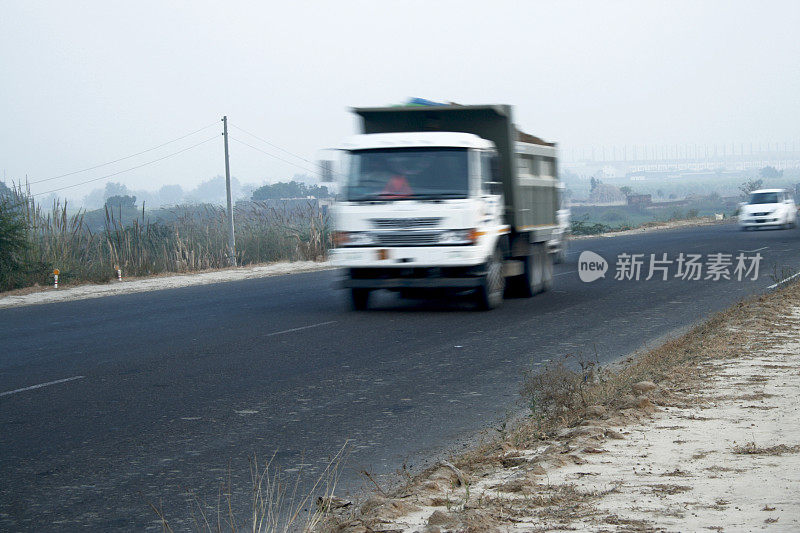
(231,236)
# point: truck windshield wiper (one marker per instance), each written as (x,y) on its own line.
(369,198)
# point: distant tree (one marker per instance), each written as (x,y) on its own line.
(94,200)
(291,189)
(170,194)
(124,202)
(627,191)
(4,190)
(594,183)
(318,191)
(770,172)
(660,193)
(672,196)
(246,191)
(114,189)
(749,186)
(603,193)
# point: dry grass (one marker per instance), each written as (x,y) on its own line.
(560,394)
(276,502)
(662,489)
(751,448)
(194,239)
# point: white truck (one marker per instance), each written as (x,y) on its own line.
(443,199)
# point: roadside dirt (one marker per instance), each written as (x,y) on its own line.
(41,295)
(712,443)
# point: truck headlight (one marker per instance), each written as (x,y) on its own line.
(353,238)
(359,238)
(460,236)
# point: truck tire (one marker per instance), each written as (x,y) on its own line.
(359,298)
(490,294)
(535,277)
(547,277)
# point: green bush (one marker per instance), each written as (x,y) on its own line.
(17,266)
(13,243)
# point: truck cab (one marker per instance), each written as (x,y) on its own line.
(412,203)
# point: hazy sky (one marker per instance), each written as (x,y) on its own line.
(88,82)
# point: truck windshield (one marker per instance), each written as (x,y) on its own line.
(764,198)
(408,174)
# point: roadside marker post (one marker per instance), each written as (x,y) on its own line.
(55,278)
(119,272)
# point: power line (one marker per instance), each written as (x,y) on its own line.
(273,145)
(318,171)
(273,155)
(215,123)
(128,169)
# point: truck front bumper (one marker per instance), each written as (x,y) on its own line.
(409,257)
(411,283)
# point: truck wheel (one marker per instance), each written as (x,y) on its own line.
(532,280)
(547,272)
(359,298)
(490,294)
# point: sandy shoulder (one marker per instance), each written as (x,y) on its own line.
(729,460)
(716,448)
(82,292)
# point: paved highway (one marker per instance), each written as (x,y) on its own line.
(174,390)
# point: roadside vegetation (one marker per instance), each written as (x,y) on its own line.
(592,220)
(274,502)
(90,246)
(571,405)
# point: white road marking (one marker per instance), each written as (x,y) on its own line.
(564,273)
(40,385)
(781,282)
(756,250)
(300,328)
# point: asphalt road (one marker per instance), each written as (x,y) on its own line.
(173,391)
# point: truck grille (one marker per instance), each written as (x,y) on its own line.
(410,223)
(417,238)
